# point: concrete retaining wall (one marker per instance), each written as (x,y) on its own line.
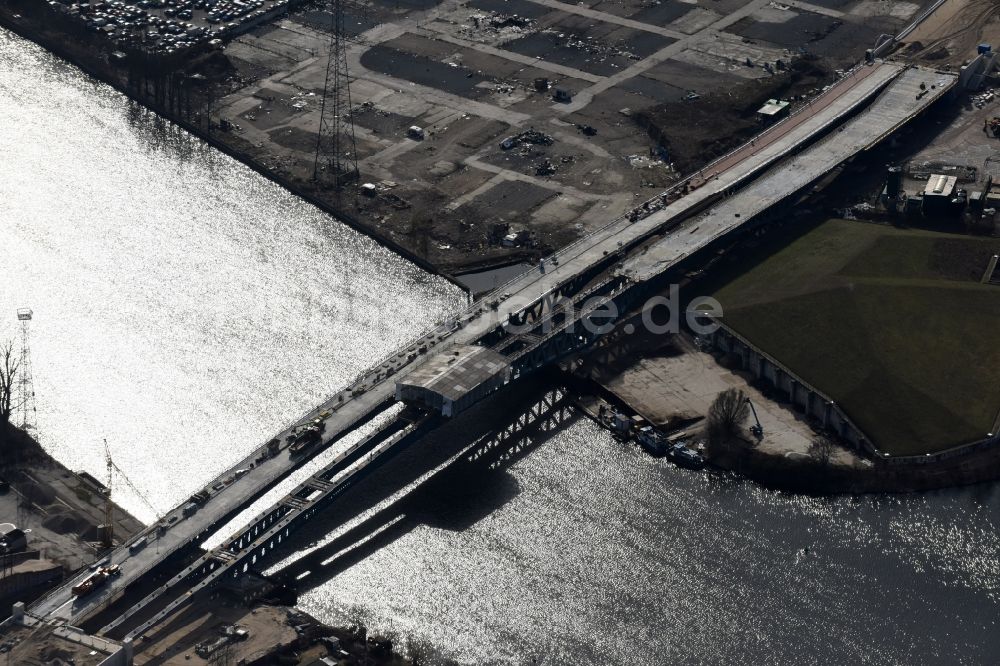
(803,396)
(812,402)
(19,582)
(973,74)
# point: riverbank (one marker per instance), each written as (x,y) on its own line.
(266,633)
(495,173)
(59,511)
(671,383)
(96,60)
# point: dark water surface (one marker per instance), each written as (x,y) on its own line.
(567,546)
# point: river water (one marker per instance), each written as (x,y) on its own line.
(185,308)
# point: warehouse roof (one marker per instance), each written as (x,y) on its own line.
(457,371)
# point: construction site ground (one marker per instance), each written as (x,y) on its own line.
(673,384)
(175,642)
(276,635)
(684,76)
(41,646)
(956,144)
(61,509)
(949,37)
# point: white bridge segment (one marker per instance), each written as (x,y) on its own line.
(221,560)
(60,603)
(897,104)
(377,387)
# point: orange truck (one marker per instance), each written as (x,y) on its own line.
(95,580)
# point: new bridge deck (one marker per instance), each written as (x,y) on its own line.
(900,102)
(267,530)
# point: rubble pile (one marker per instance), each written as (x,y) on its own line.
(594,47)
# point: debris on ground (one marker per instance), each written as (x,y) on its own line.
(532,137)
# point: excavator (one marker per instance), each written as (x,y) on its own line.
(757,430)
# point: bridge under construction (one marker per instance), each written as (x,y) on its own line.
(540,317)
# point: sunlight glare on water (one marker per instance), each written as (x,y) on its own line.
(185,308)
(577,548)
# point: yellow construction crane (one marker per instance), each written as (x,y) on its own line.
(108,529)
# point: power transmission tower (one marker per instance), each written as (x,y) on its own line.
(26,385)
(335,144)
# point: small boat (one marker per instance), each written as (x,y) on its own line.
(684,456)
(651,440)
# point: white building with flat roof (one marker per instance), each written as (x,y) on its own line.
(455,380)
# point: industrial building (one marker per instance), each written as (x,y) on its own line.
(774,109)
(456,380)
(12,539)
(939,195)
(27,639)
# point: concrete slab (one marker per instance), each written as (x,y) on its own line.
(684,385)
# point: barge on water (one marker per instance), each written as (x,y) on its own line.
(675,446)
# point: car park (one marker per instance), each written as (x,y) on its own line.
(193,24)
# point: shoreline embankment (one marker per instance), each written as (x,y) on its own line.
(59,512)
(800,473)
(33,29)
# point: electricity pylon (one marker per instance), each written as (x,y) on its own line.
(336,161)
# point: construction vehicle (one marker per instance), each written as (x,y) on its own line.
(95,580)
(138,544)
(307,435)
(757,430)
(305,438)
(563,96)
(993,126)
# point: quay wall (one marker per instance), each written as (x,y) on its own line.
(815,404)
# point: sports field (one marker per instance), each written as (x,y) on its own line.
(894,325)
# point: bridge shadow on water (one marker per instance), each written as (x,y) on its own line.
(450,479)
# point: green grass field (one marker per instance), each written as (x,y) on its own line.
(892,324)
